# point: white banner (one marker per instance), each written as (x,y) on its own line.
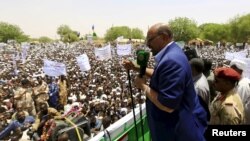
(241,55)
(17,56)
(14,64)
(83,62)
(246,72)
(103,53)
(229,56)
(124,49)
(2,45)
(90,39)
(52,68)
(25,47)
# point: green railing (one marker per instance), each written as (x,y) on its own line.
(124,129)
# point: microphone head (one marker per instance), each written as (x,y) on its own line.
(142,61)
(142,57)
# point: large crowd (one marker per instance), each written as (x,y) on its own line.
(100,95)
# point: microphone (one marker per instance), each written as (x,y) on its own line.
(142,61)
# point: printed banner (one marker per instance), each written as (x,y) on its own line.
(52,68)
(83,62)
(124,49)
(25,47)
(103,53)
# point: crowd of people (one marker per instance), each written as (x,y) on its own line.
(101,95)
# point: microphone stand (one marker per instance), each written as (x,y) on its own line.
(142,71)
(130,88)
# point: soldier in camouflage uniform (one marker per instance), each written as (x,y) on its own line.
(41,92)
(24,96)
(227,107)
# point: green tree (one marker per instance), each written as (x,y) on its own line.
(137,33)
(184,29)
(124,31)
(214,32)
(240,28)
(44,39)
(11,32)
(66,34)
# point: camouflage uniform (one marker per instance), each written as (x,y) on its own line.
(227,109)
(41,93)
(24,96)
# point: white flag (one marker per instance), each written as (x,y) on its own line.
(103,53)
(124,49)
(83,62)
(52,68)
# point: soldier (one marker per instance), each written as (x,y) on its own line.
(227,107)
(24,96)
(63,95)
(41,91)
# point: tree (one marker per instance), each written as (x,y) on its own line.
(44,39)
(124,31)
(240,28)
(137,33)
(184,29)
(67,35)
(11,32)
(214,32)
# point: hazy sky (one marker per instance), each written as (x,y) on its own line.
(42,17)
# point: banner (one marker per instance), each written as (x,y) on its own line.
(52,68)
(14,64)
(90,39)
(229,56)
(83,62)
(241,55)
(246,72)
(2,45)
(25,47)
(103,53)
(124,49)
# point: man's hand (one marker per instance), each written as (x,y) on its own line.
(130,65)
(140,83)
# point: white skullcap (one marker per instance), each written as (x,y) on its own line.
(104,96)
(124,110)
(83,97)
(240,64)
(75,104)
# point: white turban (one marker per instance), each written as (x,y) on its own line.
(240,64)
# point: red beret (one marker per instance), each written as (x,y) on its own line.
(227,73)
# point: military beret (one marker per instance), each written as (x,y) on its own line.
(227,73)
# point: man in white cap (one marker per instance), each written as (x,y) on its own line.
(243,88)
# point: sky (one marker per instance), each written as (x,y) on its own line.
(39,18)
